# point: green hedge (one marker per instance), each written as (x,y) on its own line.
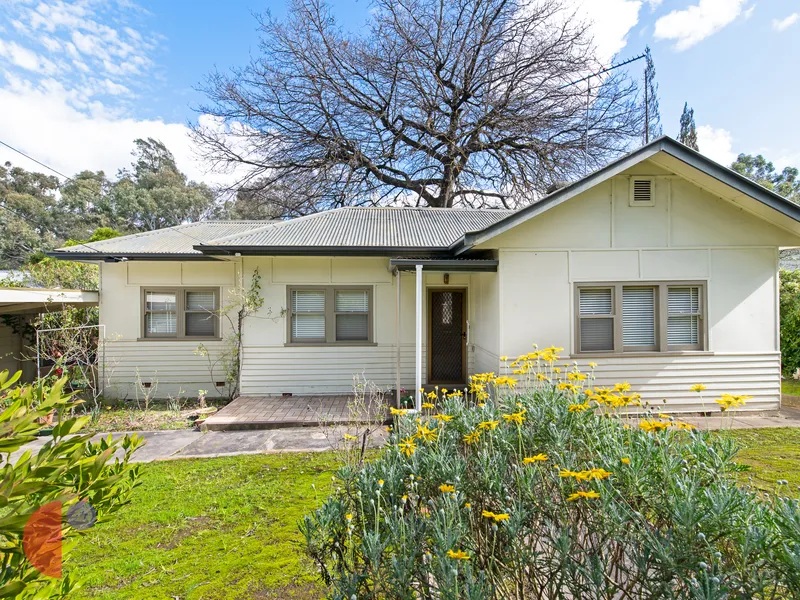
(790,321)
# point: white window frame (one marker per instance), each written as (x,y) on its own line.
(662,313)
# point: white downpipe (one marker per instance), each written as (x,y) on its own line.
(418,350)
(398,337)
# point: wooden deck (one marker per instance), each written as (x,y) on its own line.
(274,412)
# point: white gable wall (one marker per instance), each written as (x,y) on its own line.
(688,235)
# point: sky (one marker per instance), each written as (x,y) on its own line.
(81,79)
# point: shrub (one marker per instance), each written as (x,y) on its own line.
(548,493)
(790,321)
(68,468)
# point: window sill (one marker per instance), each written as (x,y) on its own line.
(644,354)
(328,345)
(175,339)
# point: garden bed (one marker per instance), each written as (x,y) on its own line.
(158,416)
(227,527)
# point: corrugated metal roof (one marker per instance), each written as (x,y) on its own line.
(361,227)
(180,239)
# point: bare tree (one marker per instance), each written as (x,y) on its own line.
(439,102)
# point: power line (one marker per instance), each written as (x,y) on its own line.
(38,162)
(27,220)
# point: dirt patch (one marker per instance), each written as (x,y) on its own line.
(790,401)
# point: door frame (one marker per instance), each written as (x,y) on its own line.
(464,320)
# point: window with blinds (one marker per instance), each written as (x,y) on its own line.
(200,317)
(330,315)
(596,307)
(639,318)
(683,319)
(352,315)
(308,315)
(181,313)
(161,314)
(651,317)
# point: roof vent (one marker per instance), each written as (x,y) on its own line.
(642,191)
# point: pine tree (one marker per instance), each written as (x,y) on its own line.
(688,134)
(653,128)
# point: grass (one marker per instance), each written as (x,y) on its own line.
(212,528)
(772,454)
(227,527)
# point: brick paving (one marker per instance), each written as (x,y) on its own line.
(273,412)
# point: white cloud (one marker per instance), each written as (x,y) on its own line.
(44,123)
(697,22)
(25,58)
(611,21)
(785,23)
(717,144)
(749,12)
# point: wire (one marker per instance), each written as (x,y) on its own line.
(29,222)
(38,162)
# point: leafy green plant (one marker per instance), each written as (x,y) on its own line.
(536,487)
(69,468)
(790,321)
(242,304)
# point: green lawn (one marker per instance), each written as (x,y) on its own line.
(773,454)
(790,387)
(213,528)
(227,527)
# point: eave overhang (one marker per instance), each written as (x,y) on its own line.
(472,265)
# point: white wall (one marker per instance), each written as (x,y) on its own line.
(271,367)
(688,235)
(169,365)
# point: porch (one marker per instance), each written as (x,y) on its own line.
(276,412)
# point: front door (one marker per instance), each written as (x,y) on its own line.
(447,336)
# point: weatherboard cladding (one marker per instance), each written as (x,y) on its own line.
(370,228)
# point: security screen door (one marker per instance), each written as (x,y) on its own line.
(447,337)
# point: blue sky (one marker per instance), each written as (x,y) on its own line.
(79,80)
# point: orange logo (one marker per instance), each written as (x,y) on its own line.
(42,536)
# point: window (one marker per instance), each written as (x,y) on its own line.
(329,315)
(181,313)
(683,318)
(640,317)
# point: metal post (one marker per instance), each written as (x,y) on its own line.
(398,340)
(586,134)
(418,350)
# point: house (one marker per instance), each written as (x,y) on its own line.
(661,268)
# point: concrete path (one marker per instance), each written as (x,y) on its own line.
(165,445)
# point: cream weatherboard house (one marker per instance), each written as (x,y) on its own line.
(660,267)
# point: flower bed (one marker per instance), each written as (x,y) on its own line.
(546,493)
